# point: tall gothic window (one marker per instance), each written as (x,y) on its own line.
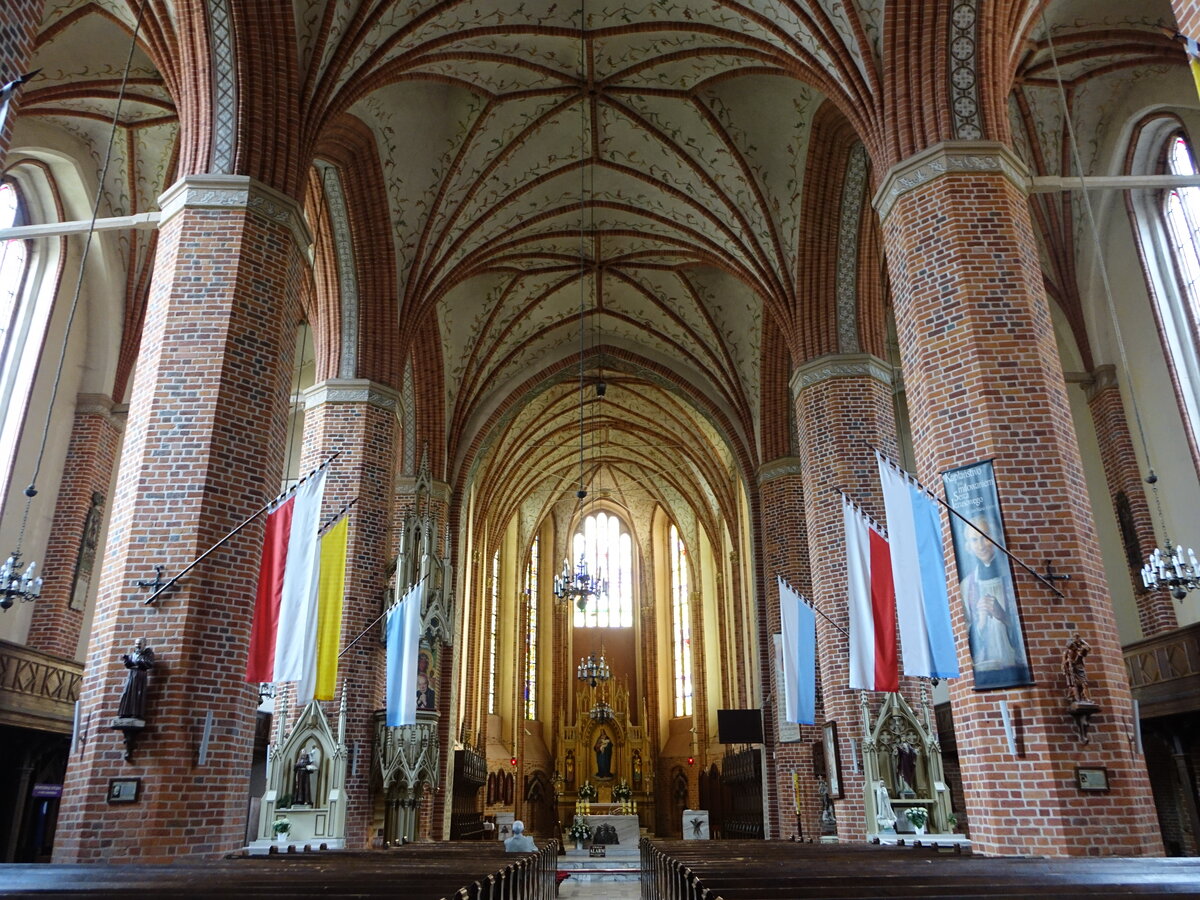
(493,620)
(531,633)
(681,624)
(605,544)
(1169,232)
(20,330)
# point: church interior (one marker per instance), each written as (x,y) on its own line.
(592,313)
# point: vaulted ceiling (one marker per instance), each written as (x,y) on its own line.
(632,191)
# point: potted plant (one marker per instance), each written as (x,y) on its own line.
(917,816)
(282,828)
(580,831)
(952,822)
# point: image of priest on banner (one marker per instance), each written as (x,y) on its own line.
(985,580)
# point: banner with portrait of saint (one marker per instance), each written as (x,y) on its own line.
(985,579)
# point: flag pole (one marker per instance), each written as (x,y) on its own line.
(171,581)
(954,512)
(382,614)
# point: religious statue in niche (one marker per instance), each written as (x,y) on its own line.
(306,765)
(885,816)
(636,765)
(570,769)
(604,753)
(906,769)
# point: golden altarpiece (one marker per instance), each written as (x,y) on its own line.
(605,748)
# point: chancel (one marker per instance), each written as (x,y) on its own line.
(415,412)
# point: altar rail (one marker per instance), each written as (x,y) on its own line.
(782,870)
(448,871)
(37,690)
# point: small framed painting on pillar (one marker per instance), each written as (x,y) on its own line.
(1091,778)
(124,790)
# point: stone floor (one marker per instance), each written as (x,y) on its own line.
(621,890)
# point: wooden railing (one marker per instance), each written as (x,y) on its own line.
(37,690)
(1164,672)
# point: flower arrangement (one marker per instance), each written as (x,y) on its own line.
(917,815)
(580,830)
(281,825)
(587,791)
(622,791)
(952,821)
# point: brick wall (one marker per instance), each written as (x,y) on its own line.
(18,33)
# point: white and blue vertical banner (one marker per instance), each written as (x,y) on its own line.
(799,626)
(918,574)
(403,646)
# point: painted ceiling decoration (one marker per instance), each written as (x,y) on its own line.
(652,164)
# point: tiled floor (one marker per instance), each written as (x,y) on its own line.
(610,890)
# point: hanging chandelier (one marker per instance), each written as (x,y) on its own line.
(1167,568)
(601,712)
(593,671)
(18,585)
(579,586)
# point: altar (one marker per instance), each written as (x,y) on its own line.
(626,827)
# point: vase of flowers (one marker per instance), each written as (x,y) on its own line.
(622,792)
(282,828)
(588,792)
(952,822)
(917,816)
(579,831)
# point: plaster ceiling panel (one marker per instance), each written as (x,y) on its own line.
(416,152)
(736,316)
(685,74)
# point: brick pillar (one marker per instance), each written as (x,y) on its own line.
(785,553)
(843,408)
(358,418)
(1156,609)
(87,474)
(984,381)
(204,447)
(19,25)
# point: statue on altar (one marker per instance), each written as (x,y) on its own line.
(885,816)
(604,752)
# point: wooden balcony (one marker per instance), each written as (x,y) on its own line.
(1164,672)
(37,690)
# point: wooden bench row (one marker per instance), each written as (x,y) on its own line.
(416,872)
(766,870)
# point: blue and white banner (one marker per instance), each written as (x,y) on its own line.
(799,625)
(403,646)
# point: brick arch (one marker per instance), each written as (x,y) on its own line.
(429,393)
(775,398)
(832,140)
(349,146)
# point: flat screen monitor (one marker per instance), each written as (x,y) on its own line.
(739,726)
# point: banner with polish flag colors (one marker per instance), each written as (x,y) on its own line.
(799,625)
(283,636)
(874,663)
(919,574)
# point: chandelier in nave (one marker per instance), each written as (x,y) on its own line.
(579,585)
(593,671)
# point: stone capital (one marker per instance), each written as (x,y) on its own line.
(352,390)
(778,468)
(948,158)
(102,405)
(844,365)
(235,192)
(1103,378)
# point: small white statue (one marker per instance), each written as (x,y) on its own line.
(885,816)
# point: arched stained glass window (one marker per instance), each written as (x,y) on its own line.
(607,547)
(493,621)
(681,624)
(13,256)
(531,633)
(1180,315)
(22,324)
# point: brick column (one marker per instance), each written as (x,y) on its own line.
(1156,609)
(18,33)
(843,408)
(204,448)
(984,381)
(785,553)
(87,474)
(358,418)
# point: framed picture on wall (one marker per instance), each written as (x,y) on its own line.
(833,761)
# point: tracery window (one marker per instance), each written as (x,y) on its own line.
(1181,208)
(607,547)
(20,329)
(493,621)
(531,632)
(681,623)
